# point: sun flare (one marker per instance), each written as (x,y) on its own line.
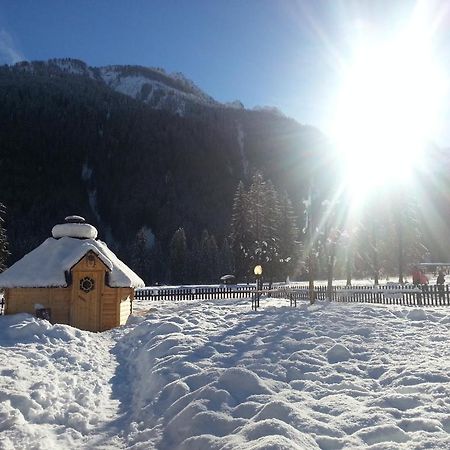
(388,107)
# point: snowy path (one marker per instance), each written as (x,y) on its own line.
(329,376)
(54,386)
(216,375)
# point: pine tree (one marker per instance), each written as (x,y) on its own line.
(328,239)
(256,219)
(194,262)
(239,235)
(226,258)
(390,236)
(310,238)
(271,232)
(264,221)
(331,246)
(372,240)
(159,264)
(263,229)
(213,260)
(346,253)
(178,257)
(209,258)
(408,232)
(204,269)
(289,235)
(4,253)
(141,255)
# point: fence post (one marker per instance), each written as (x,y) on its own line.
(420,296)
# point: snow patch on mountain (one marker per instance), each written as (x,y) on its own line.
(192,87)
(129,85)
(73,66)
(153,86)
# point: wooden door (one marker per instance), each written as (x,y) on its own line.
(86,300)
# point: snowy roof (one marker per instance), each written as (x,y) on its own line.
(76,230)
(45,265)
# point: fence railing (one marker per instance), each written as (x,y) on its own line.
(196,292)
(408,295)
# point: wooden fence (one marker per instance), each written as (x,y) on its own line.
(196,292)
(406,295)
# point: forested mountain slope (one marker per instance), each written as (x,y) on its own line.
(70,144)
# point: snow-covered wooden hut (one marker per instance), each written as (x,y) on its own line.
(73,277)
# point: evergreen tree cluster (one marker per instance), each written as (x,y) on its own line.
(182,261)
(385,238)
(263,230)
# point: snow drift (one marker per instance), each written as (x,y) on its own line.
(216,375)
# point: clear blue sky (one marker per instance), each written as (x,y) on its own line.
(262,52)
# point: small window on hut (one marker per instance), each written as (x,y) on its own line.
(87,284)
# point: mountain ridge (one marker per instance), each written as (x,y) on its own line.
(72,144)
(173,92)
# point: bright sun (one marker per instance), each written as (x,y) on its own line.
(387,109)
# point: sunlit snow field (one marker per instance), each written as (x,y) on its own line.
(214,374)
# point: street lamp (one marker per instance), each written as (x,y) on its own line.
(258,274)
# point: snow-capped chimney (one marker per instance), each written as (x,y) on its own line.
(75,227)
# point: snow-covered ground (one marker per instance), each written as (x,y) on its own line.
(214,374)
(55,387)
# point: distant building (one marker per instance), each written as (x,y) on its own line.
(72,278)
